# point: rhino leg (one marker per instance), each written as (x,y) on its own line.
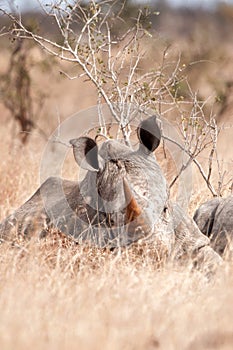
(28,219)
(191,243)
(23,221)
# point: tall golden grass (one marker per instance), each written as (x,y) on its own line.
(54,297)
(63,296)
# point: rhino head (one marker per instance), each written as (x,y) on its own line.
(126,186)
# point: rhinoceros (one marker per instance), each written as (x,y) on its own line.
(215,219)
(123,199)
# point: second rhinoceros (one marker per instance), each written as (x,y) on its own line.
(215,219)
(122,199)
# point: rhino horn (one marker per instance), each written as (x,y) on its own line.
(138,223)
(132,210)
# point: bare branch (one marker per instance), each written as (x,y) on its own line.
(112,63)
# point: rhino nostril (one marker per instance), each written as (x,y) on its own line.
(117,162)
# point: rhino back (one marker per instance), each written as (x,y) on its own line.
(49,201)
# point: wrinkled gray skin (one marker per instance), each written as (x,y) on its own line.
(215,219)
(122,199)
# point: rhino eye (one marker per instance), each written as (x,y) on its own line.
(166,213)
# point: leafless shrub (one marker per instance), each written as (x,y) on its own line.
(95,38)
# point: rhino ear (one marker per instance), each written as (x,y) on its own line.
(86,153)
(149,133)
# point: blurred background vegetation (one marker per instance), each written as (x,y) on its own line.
(201,36)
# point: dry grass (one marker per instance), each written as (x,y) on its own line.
(69,298)
(55,296)
(58,296)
